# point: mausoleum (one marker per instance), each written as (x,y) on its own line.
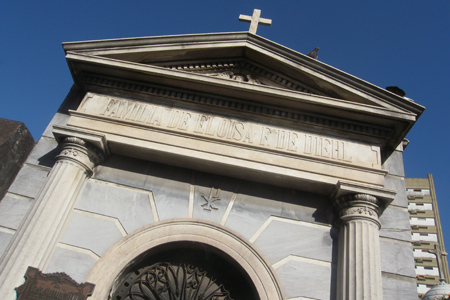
(214,166)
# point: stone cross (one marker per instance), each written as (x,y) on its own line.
(438,252)
(255,20)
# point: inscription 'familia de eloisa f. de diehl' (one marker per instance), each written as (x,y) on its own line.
(233,130)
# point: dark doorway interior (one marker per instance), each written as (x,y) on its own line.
(184,271)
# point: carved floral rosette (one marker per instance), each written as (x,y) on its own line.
(81,152)
(358,207)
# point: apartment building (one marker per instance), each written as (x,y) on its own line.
(426,230)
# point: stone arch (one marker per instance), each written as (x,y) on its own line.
(116,260)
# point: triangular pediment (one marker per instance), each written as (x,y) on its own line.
(240,70)
(245,67)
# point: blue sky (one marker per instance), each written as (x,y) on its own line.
(395,42)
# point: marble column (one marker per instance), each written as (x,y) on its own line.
(359,263)
(37,236)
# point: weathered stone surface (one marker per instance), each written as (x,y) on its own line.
(130,207)
(12,209)
(76,264)
(397,184)
(79,232)
(16,143)
(212,196)
(29,181)
(397,257)
(307,278)
(282,238)
(5,238)
(394,164)
(399,287)
(171,189)
(44,153)
(308,207)
(395,223)
(123,170)
(58,119)
(253,206)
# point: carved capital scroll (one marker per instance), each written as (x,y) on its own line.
(80,152)
(358,207)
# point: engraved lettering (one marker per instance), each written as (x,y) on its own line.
(199,128)
(237,133)
(335,152)
(215,127)
(222,128)
(208,128)
(265,135)
(230,129)
(174,118)
(156,117)
(347,156)
(308,144)
(109,108)
(150,111)
(248,138)
(184,121)
(281,137)
(292,141)
(326,148)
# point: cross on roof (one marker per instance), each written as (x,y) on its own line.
(255,20)
(438,252)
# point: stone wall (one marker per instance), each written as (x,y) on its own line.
(16,143)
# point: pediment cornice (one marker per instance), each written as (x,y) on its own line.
(246,69)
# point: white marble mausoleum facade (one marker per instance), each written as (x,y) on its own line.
(226,164)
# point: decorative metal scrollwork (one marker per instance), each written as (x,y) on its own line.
(164,281)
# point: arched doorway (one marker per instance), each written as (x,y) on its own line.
(165,246)
(184,271)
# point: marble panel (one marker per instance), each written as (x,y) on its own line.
(29,181)
(397,184)
(131,207)
(282,238)
(44,153)
(397,258)
(123,170)
(12,210)
(171,189)
(301,278)
(90,232)
(212,196)
(394,164)
(75,264)
(72,99)
(58,119)
(308,207)
(395,224)
(5,238)
(254,204)
(399,287)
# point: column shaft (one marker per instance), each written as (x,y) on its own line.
(359,263)
(36,237)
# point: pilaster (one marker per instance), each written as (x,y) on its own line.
(359,263)
(36,237)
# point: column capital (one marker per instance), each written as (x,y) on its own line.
(81,152)
(358,207)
